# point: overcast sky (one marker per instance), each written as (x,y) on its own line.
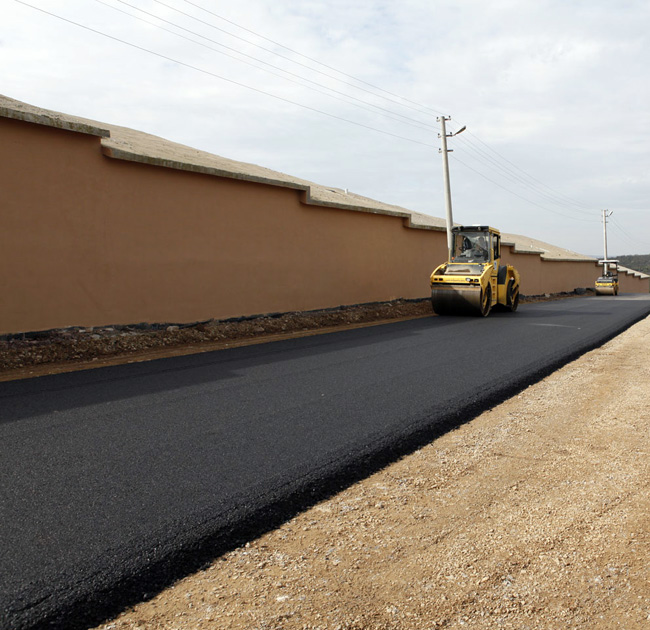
(555,96)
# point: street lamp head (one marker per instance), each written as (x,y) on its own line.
(461,130)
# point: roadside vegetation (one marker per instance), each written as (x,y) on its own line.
(638,262)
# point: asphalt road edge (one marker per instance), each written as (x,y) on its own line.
(153,570)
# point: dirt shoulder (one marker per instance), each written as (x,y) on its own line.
(75,348)
(536,514)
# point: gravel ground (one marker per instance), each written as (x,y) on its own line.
(533,515)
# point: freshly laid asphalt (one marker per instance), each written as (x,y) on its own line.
(115,481)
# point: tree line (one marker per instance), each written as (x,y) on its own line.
(638,262)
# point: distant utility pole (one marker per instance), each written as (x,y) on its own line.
(445,172)
(606,213)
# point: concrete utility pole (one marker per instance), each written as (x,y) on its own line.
(606,213)
(445,172)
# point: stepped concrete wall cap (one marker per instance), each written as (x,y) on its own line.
(632,272)
(136,146)
(527,245)
(11,108)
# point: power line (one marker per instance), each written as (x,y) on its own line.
(524,178)
(356,87)
(430,111)
(482,155)
(346,96)
(527,175)
(514,193)
(631,239)
(202,70)
(512,176)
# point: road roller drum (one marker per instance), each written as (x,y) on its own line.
(472,281)
(607,284)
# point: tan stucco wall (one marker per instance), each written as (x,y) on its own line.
(539,276)
(88,240)
(631,283)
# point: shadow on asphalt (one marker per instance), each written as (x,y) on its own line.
(61,392)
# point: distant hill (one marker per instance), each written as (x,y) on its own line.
(638,262)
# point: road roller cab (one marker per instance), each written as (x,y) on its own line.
(607,284)
(473,281)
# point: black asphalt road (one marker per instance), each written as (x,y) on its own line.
(115,480)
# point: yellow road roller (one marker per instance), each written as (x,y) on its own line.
(607,284)
(472,281)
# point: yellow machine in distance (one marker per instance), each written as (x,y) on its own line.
(607,284)
(473,281)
